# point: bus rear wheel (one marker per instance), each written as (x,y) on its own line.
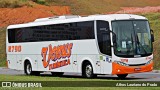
(28,69)
(122,76)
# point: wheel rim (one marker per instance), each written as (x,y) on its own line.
(88,70)
(29,68)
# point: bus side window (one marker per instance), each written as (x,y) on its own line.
(11,35)
(103,36)
(54,32)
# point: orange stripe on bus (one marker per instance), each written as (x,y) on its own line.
(119,69)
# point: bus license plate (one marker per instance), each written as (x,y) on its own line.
(137,69)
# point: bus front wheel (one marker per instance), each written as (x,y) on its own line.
(122,76)
(87,70)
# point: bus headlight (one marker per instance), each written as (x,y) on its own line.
(121,63)
(148,62)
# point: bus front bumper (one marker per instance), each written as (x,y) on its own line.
(119,69)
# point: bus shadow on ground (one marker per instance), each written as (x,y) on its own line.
(98,77)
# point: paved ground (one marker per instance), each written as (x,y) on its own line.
(149,76)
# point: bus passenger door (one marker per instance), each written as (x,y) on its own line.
(104,43)
(106,49)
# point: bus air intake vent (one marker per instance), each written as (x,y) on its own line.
(57,18)
(137,64)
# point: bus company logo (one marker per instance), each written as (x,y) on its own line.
(56,53)
(6,84)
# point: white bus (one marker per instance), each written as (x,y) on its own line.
(117,44)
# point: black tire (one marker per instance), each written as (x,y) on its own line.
(87,71)
(28,68)
(36,73)
(57,74)
(122,76)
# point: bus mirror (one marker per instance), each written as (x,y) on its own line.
(114,38)
(152,35)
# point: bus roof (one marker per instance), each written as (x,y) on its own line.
(75,18)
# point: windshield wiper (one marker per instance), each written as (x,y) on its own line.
(138,42)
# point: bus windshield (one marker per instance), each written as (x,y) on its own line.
(133,38)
